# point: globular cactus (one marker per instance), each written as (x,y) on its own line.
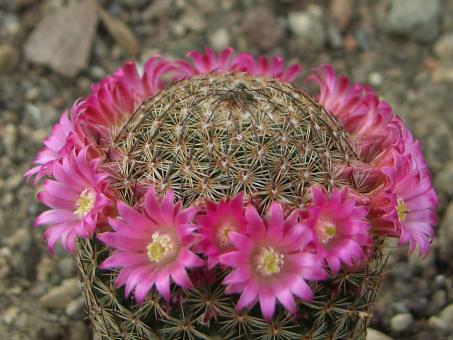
(235,205)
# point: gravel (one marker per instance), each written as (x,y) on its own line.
(401,322)
(403,47)
(419,19)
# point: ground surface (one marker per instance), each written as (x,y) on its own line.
(404,48)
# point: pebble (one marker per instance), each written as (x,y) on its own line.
(10,137)
(75,308)
(67,267)
(438,323)
(401,322)
(375,78)
(193,20)
(308,27)
(444,46)
(373,334)
(419,19)
(261,27)
(220,38)
(445,239)
(446,315)
(8,58)
(341,12)
(60,296)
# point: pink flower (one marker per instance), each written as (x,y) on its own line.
(215,226)
(407,204)
(224,62)
(63,139)
(77,198)
(152,246)
(364,116)
(114,99)
(339,227)
(270,263)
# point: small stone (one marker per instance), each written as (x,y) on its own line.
(10,137)
(60,296)
(401,322)
(8,58)
(341,12)
(447,314)
(445,239)
(308,28)
(63,39)
(10,314)
(79,331)
(375,78)
(373,334)
(419,19)
(438,301)
(75,308)
(444,46)
(67,267)
(438,323)
(220,39)
(193,20)
(261,27)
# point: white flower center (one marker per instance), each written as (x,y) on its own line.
(269,261)
(325,231)
(85,203)
(161,246)
(402,209)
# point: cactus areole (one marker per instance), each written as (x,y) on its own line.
(213,199)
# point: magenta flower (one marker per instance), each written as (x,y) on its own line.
(341,233)
(77,198)
(152,246)
(63,139)
(224,62)
(270,263)
(364,116)
(407,203)
(215,226)
(114,99)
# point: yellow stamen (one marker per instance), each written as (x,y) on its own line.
(85,203)
(326,231)
(269,261)
(223,234)
(402,209)
(161,246)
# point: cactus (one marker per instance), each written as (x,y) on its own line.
(220,130)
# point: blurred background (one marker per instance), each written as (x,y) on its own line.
(52,50)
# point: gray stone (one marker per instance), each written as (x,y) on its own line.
(446,315)
(373,334)
(67,267)
(419,19)
(437,323)
(401,322)
(444,46)
(75,309)
(308,27)
(9,57)
(445,239)
(261,27)
(79,331)
(60,296)
(437,301)
(220,38)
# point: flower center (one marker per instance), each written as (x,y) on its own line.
(223,235)
(326,231)
(402,209)
(85,203)
(269,261)
(161,246)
